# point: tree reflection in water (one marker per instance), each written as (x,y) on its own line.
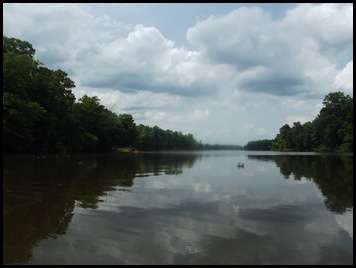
(331,173)
(40,192)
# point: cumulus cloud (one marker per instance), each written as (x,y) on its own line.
(159,117)
(242,68)
(344,80)
(147,61)
(330,24)
(239,31)
(292,56)
(245,47)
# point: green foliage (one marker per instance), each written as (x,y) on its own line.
(333,127)
(219,147)
(36,101)
(40,112)
(331,130)
(128,131)
(18,47)
(260,145)
(19,118)
(100,128)
(155,138)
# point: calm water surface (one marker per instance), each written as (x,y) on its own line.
(178,208)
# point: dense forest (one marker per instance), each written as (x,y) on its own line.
(330,131)
(41,113)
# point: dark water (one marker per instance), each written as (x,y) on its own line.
(178,208)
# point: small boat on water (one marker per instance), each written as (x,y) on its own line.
(136,151)
(240,165)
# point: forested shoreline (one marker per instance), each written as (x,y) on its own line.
(41,114)
(330,131)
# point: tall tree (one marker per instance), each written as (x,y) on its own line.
(17,46)
(333,127)
(36,101)
(40,112)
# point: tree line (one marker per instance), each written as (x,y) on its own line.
(331,173)
(41,113)
(331,130)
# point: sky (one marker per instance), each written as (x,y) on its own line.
(227,73)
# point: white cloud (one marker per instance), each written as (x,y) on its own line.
(294,119)
(248,126)
(293,103)
(284,57)
(329,22)
(261,131)
(246,68)
(344,80)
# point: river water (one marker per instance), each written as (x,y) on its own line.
(178,208)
